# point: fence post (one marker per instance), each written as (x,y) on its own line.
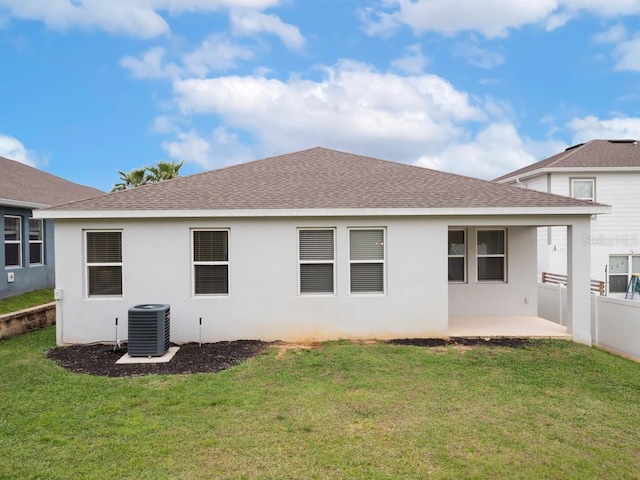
(544,277)
(595,319)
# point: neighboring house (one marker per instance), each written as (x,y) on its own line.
(316,244)
(604,171)
(28,253)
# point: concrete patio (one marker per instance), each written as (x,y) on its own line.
(506,327)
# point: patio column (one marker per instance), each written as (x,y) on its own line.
(579,280)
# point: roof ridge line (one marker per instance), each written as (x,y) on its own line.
(574,150)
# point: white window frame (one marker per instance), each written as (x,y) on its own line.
(195,263)
(35,242)
(316,262)
(592,180)
(627,274)
(463,256)
(103,264)
(492,255)
(13,242)
(377,261)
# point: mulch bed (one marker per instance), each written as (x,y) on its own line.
(214,357)
(190,358)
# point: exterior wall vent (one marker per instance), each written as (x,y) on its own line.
(149,330)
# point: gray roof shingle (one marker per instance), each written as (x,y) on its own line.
(22,183)
(320,178)
(593,154)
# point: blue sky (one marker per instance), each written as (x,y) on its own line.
(90,87)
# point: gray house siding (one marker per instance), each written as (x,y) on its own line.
(27,277)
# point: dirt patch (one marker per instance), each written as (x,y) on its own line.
(463,342)
(283,348)
(191,358)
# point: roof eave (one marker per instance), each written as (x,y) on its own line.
(542,171)
(595,209)
(21,204)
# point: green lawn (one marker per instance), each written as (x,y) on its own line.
(554,410)
(26,300)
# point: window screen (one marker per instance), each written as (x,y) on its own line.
(316,260)
(211,262)
(491,255)
(367,260)
(104,263)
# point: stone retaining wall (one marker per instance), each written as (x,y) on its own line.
(17,323)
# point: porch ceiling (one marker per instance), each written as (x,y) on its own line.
(505,327)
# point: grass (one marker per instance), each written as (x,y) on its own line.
(553,410)
(26,300)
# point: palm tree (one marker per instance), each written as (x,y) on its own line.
(160,172)
(134,178)
(164,170)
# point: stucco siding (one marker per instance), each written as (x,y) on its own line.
(263,300)
(517,296)
(27,277)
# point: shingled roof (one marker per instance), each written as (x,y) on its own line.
(596,154)
(319,178)
(22,184)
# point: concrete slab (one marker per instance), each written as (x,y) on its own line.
(125,359)
(506,327)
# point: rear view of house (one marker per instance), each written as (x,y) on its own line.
(317,244)
(27,255)
(604,171)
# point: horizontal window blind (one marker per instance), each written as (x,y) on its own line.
(366,255)
(12,229)
(490,242)
(105,280)
(491,268)
(367,277)
(491,255)
(104,247)
(211,279)
(316,256)
(210,246)
(316,245)
(367,244)
(35,229)
(316,278)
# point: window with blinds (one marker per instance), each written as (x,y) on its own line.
(457,250)
(367,260)
(104,263)
(316,257)
(36,242)
(211,262)
(12,241)
(492,257)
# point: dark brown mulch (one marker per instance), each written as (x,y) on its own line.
(190,358)
(466,342)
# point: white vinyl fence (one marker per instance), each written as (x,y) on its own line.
(615,323)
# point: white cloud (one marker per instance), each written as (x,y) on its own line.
(615,34)
(251,22)
(590,128)
(150,65)
(215,53)
(14,149)
(412,61)
(491,18)
(221,148)
(352,108)
(138,18)
(477,56)
(494,151)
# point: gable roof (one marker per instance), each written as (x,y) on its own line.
(595,154)
(27,187)
(316,181)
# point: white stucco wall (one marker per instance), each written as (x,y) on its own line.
(263,302)
(518,296)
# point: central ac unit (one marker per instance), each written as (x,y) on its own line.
(149,330)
